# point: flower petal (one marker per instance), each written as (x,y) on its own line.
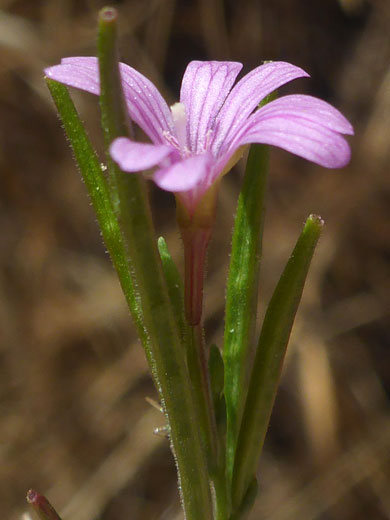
(184,175)
(76,75)
(306,107)
(145,104)
(307,133)
(134,157)
(204,88)
(245,97)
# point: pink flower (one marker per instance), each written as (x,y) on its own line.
(197,140)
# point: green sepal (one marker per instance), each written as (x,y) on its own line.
(271,349)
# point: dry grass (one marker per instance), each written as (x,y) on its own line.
(73,419)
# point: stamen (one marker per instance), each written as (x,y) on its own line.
(180,121)
(171,139)
(208,139)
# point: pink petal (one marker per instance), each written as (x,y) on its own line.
(184,175)
(305,107)
(145,104)
(204,88)
(299,135)
(134,157)
(245,97)
(74,75)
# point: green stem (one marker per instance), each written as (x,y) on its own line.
(270,353)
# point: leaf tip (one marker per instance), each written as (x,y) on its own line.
(108,14)
(314,225)
(316,219)
(32,496)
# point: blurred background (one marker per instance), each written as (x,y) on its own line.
(74,422)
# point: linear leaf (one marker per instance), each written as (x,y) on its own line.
(175,287)
(97,188)
(167,352)
(271,349)
(242,291)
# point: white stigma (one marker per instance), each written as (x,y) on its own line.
(179,117)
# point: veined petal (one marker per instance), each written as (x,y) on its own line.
(299,135)
(305,107)
(245,97)
(134,157)
(76,75)
(184,175)
(204,89)
(145,104)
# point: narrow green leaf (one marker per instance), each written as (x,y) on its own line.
(216,372)
(175,287)
(197,361)
(270,353)
(192,340)
(98,191)
(247,502)
(242,290)
(114,117)
(41,506)
(97,188)
(169,356)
